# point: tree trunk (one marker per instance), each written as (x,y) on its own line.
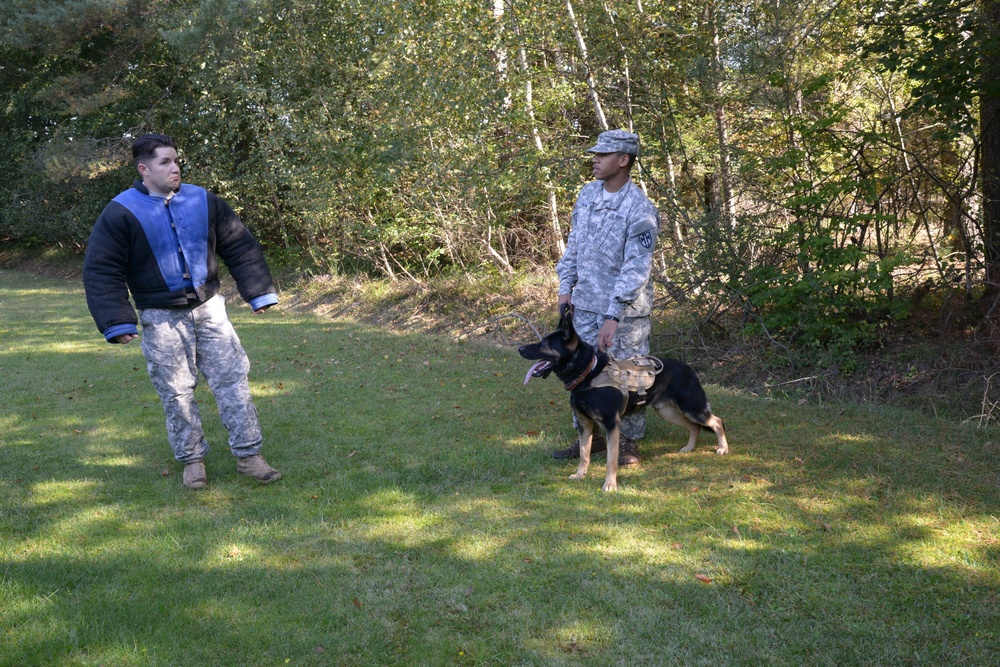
(558,243)
(598,110)
(721,127)
(989,121)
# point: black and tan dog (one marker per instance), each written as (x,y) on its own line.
(675,393)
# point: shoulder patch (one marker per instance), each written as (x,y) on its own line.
(645,233)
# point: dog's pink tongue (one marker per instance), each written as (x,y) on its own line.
(531,370)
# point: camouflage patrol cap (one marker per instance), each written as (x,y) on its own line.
(616,141)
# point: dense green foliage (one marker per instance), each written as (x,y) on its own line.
(818,159)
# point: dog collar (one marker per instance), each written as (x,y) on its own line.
(570,386)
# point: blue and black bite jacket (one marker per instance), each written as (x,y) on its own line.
(163,251)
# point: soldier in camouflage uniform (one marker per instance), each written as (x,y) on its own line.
(158,242)
(604,274)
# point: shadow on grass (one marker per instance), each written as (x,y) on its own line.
(422,520)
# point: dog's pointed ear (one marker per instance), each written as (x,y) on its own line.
(565,314)
(566,321)
(569,336)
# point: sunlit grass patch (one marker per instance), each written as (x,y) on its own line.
(64,492)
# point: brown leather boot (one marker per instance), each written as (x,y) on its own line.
(256,467)
(628,453)
(195,476)
(597,445)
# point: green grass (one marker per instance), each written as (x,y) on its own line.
(421,520)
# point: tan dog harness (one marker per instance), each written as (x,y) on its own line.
(635,374)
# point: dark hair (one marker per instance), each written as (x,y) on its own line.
(145,146)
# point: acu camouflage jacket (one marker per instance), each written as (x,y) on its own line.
(609,254)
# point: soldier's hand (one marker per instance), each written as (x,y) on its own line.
(565,303)
(606,336)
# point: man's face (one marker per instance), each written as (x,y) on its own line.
(161,173)
(608,165)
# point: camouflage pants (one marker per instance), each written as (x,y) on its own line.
(177,343)
(631,340)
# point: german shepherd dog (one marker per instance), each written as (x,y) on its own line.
(676,394)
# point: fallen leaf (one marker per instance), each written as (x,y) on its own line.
(76,430)
(166,472)
(357,603)
(736,529)
(827,527)
(747,478)
(352,453)
(703,578)
(531,434)
(675,545)
(319,650)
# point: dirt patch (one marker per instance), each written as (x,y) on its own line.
(49,263)
(495,309)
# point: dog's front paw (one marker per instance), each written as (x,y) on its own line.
(687,450)
(721,450)
(577,475)
(610,485)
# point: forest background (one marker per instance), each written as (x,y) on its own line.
(827,171)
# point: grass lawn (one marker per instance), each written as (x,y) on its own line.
(422,521)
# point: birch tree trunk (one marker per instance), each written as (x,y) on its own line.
(598,110)
(721,126)
(558,243)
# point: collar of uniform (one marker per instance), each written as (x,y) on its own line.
(612,202)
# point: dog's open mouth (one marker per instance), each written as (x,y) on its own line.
(538,370)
